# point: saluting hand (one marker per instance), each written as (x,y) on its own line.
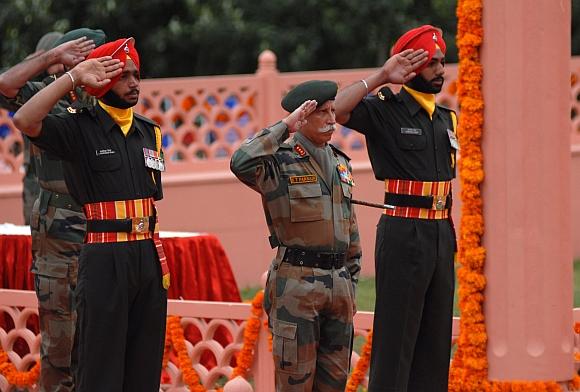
(399,68)
(98,72)
(73,52)
(297,119)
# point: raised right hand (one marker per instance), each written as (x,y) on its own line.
(73,52)
(97,72)
(297,119)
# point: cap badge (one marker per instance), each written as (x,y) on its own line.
(434,37)
(126,49)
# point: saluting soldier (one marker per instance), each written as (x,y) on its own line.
(306,186)
(112,163)
(58,223)
(411,143)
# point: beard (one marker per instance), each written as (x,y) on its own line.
(419,83)
(114,100)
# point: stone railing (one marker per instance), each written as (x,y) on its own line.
(19,312)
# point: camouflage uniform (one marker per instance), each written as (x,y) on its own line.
(310,309)
(30,187)
(58,229)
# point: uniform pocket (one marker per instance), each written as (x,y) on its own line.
(105,162)
(285,348)
(305,202)
(411,139)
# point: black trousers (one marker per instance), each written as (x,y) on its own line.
(122,307)
(414,305)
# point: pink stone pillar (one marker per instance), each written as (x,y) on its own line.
(269,94)
(528,308)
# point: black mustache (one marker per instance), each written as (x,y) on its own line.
(134,91)
(438,79)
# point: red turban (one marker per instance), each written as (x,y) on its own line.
(425,37)
(119,49)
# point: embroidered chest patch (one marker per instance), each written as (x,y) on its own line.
(345,174)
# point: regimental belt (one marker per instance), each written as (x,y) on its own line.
(418,199)
(126,220)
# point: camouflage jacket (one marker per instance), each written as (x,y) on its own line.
(302,210)
(48,167)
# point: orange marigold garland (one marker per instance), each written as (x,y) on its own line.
(469,368)
(15,377)
(189,375)
(360,370)
(251,333)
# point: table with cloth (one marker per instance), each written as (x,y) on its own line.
(199,266)
(200,269)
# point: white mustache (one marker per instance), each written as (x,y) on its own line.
(326,128)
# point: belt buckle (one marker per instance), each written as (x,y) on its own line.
(140,225)
(439,202)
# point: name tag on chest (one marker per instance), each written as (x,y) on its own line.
(307,179)
(153,160)
(411,131)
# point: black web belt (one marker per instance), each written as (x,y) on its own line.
(314,259)
(428,202)
(129,225)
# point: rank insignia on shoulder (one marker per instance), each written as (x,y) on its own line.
(381,96)
(307,179)
(300,150)
(70,109)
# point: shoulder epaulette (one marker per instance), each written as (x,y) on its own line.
(335,149)
(385,94)
(445,108)
(77,109)
(147,120)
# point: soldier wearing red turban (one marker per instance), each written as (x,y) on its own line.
(411,142)
(112,162)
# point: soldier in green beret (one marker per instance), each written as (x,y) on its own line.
(306,186)
(57,222)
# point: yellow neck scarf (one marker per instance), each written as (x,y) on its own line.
(427,101)
(122,117)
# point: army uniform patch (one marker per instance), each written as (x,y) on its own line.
(71,110)
(300,150)
(345,174)
(308,179)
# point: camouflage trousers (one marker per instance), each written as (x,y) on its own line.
(57,235)
(310,313)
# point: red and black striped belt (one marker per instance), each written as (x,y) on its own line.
(418,199)
(126,220)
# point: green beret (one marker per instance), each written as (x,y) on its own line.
(98,36)
(319,90)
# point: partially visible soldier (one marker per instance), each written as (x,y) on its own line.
(306,187)
(57,223)
(30,187)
